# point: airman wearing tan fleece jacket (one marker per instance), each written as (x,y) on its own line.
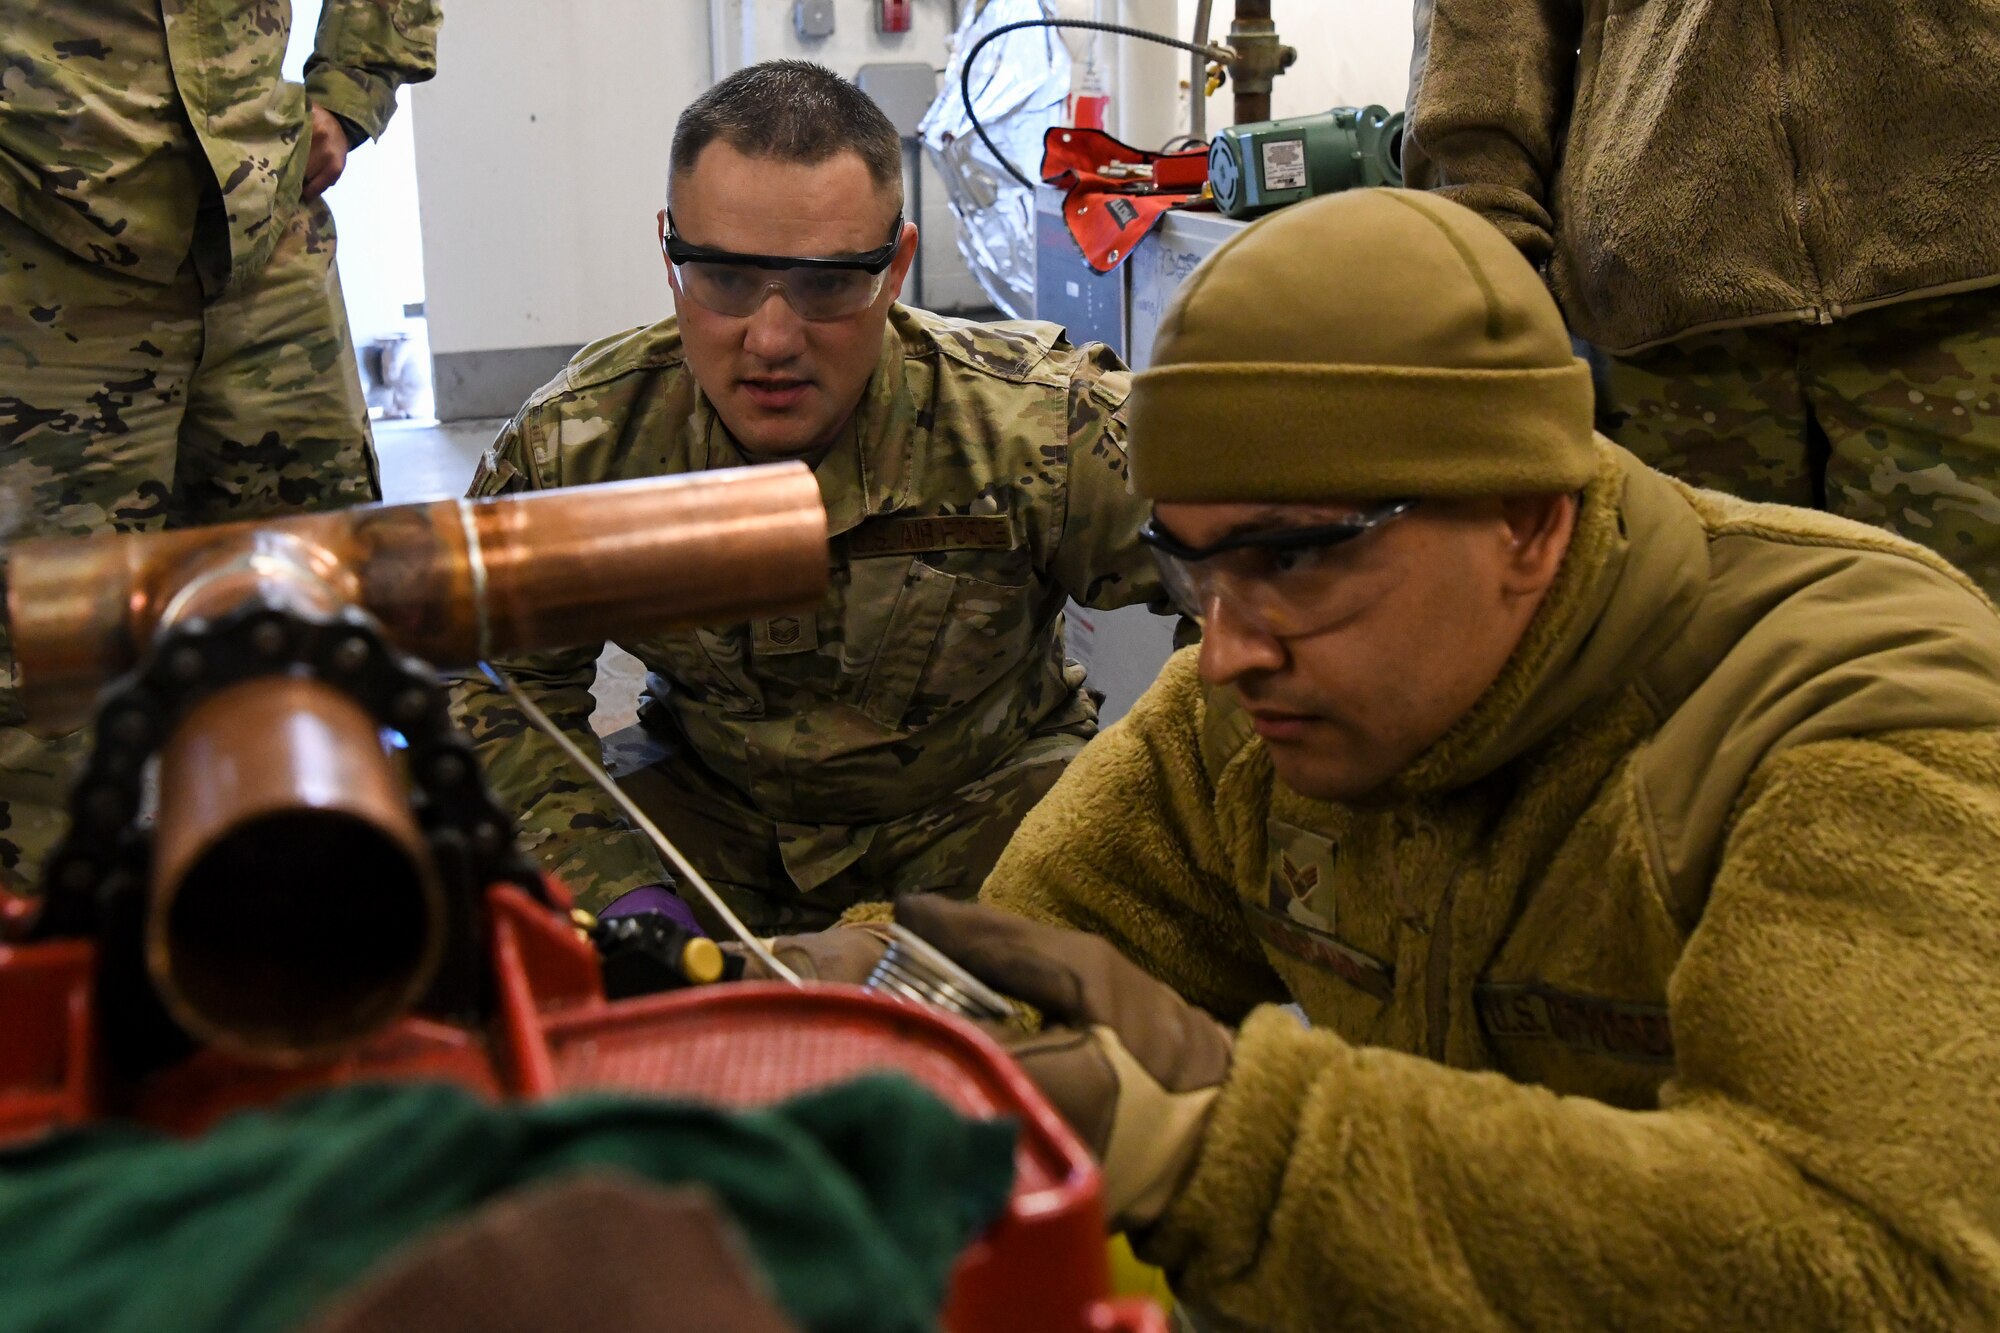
(1780,218)
(1634,851)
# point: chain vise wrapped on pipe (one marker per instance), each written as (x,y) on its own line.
(315,860)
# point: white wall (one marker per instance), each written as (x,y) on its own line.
(374,208)
(381,235)
(541,153)
(1149,121)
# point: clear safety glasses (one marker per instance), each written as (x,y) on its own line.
(819,289)
(1286,582)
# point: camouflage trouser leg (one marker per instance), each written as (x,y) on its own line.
(1891,416)
(787,878)
(1909,396)
(134,406)
(1724,411)
(734,847)
(951,848)
(276,419)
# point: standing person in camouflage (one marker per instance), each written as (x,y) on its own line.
(173,346)
(1791,267)
(974,478)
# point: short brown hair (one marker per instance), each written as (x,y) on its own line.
(795,111)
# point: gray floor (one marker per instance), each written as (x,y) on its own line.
(430,462)
(434,462)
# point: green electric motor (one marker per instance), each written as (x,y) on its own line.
(1267,164)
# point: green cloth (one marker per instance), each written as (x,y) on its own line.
(856,1200)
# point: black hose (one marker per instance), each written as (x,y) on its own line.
(1118,29)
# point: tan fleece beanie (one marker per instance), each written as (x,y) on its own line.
(1370,344)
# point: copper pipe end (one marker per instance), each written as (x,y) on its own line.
(295,908)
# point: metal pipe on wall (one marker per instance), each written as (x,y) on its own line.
(1260,58)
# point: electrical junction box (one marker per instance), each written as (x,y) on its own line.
(1159,265)
(812,18)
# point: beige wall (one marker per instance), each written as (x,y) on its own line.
(541,160)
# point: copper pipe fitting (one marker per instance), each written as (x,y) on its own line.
(451,581)
(295,907)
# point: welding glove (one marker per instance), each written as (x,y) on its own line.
(845,953)
(1133,1067)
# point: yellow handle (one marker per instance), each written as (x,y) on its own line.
(701,961)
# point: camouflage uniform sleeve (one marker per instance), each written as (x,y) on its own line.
(1099,558)
(566,823)
(1490,142)
(365,51)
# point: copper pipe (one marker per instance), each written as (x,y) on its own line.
(295,907)
(451,581)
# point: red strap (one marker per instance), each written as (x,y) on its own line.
(1109,212)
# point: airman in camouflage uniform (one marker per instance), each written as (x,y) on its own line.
(891,740)
(173,345)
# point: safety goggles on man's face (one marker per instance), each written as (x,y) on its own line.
(1286,582)
(819,289)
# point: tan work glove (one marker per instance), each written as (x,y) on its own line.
(1132,1066)
(844,953)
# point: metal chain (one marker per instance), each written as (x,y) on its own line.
(105,858)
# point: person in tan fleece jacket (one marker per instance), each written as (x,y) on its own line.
(1633,850)
(1778,218)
